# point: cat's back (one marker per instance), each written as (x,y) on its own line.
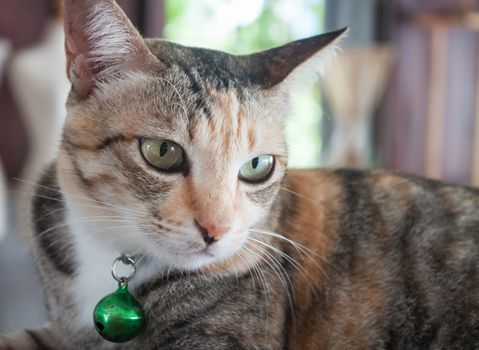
(396,257)
(352,200)
(379,196)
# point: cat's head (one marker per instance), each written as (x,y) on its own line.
(174,151)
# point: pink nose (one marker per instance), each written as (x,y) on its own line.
(210,231)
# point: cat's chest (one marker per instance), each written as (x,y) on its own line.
(94,279)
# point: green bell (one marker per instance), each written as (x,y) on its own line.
(118,317)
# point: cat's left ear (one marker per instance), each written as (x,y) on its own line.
(297,61)
(101,44)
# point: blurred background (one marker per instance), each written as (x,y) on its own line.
(402,95)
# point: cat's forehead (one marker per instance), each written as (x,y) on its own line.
(227,123)
(204,68)
(163,105)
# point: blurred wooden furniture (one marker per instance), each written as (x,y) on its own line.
(352,87)
(431,121)
(40,95)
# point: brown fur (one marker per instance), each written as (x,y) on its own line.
(357,306)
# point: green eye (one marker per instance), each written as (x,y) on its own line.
(163,154)
(257,169)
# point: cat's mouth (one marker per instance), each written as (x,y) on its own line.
(207,251)
(193,256)
(202,252)
(192,251)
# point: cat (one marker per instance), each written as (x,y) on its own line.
(176,156)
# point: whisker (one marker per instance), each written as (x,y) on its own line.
(133,214)
(48,214)
(293,262)
(253,264)
(64,238)
(299,247)
(81,204)
(38,236)
(276,263)
(299,195)
(263,282)
(273,268)
(179,230)
(103,204)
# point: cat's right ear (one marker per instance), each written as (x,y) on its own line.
(293,64)
(101,44)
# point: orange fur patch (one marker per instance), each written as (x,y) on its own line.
(317,197)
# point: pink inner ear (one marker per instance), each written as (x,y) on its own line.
(100,43)
(77,47)
(82,67)
(78,66)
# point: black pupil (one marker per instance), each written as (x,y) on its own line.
(164,148)
(255,162)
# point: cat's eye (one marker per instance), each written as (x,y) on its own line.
(258,169)
(163,155)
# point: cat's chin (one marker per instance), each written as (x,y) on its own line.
(194,260)
(185,260)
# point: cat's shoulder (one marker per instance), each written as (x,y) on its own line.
(50,236)
(46,195)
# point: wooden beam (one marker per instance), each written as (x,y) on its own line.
(469,19)
(475,150)
(435,114)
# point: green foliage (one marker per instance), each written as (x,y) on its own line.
(244,26)
(188,20)
(266,31)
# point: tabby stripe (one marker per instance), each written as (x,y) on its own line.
(84,180)
(44,202)
(107,142)
(288,210)
(180,325)
(198,91)
(263,195)
(195,86)
(146,288)
(115,139)
(147,186)
(417,316)
(38,340)
(288,203)
(353,184)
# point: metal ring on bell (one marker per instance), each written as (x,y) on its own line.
(127,260)
(118,317)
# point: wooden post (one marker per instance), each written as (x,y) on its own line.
(435,114)
(475,150)
(154,14)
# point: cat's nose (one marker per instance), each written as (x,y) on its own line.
(210,231)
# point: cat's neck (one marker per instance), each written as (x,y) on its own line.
(94,257)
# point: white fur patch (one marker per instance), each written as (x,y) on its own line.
(97,247)
(111,37)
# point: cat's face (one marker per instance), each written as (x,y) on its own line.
(182,148)
(176,169)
